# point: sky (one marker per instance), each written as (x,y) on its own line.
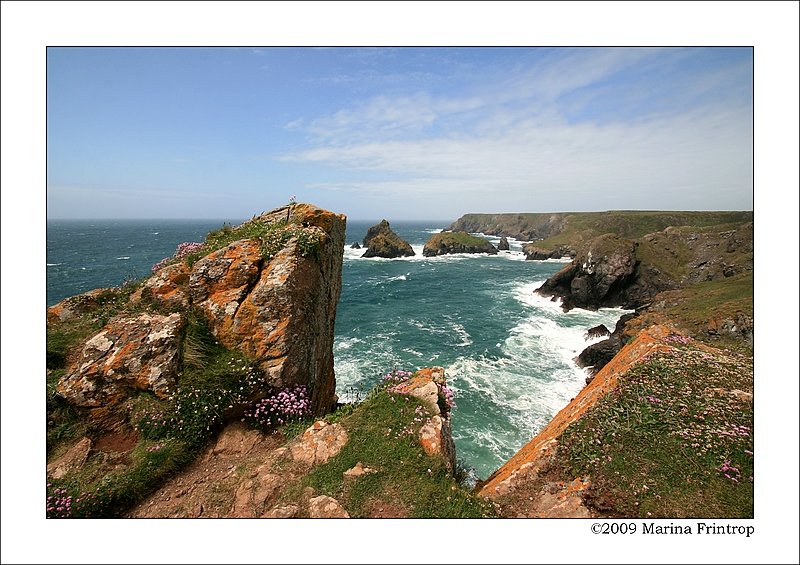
(402,133)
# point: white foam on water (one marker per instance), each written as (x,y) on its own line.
(54,264)
(125,258)
(433,230)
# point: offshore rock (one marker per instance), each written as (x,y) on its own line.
(445,243)
(381,241)
(129,354)
(503,245)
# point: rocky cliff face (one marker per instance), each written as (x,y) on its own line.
(456,242)
(381,241)
(615,271)
(526,227)
(598,276)
(272,297)
(526,473)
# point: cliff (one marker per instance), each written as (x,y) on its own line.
(571,229)
(610,270)
(456,242)
(663,430)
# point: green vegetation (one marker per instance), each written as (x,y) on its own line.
(382,434)
(581,227)
(675,439)
(272,236)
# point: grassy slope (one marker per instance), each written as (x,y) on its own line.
(663,442)
(382,436)
(582,227)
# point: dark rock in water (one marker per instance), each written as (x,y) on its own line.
(355,245)
(445,243)
(381,241)
(599,354)
(503,245)
(597,331)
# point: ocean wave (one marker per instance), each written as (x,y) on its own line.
(54,264)
(124,258)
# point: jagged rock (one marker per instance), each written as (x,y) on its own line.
(129,354)
(381,241)
(279,312)
(167,285)
(436,438)
(80,304)
(599,354)
(358,470)
(355,245)
(444,243)
(596,277)
(72,460)
(326,507)
(597,331)
(318,443)
(503,245)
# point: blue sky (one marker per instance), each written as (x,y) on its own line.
(402,133)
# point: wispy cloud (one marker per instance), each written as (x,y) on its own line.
(514,137)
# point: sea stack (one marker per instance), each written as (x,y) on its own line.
(381,241)
(456,242)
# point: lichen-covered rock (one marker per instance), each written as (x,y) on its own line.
(326,507)
(140,353)
(74,306)
(444,243)
(318,443)
(279,311)
(167,285)
(381,241)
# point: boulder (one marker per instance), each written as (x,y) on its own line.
(75,306)
(597,331)
(318,443)
(128,354)
(503,245)
(326,507)
(167,286)
(456,242)
(381,241)
(597,355)
(355,245)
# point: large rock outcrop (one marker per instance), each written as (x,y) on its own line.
(597,276)
(278,309)
(381,241)
(535,253)
(445,243)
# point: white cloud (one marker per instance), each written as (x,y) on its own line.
(512,138)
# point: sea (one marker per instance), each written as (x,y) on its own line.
(509,354)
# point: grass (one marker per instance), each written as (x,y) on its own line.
(382,436)
(662,443)
(581,227)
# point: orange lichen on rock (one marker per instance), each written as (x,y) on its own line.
(648,342)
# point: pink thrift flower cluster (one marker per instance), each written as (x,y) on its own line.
(282,406)
(729,471)
(59,504)
(675,338)
(182,251)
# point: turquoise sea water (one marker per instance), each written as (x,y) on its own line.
(508,353)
